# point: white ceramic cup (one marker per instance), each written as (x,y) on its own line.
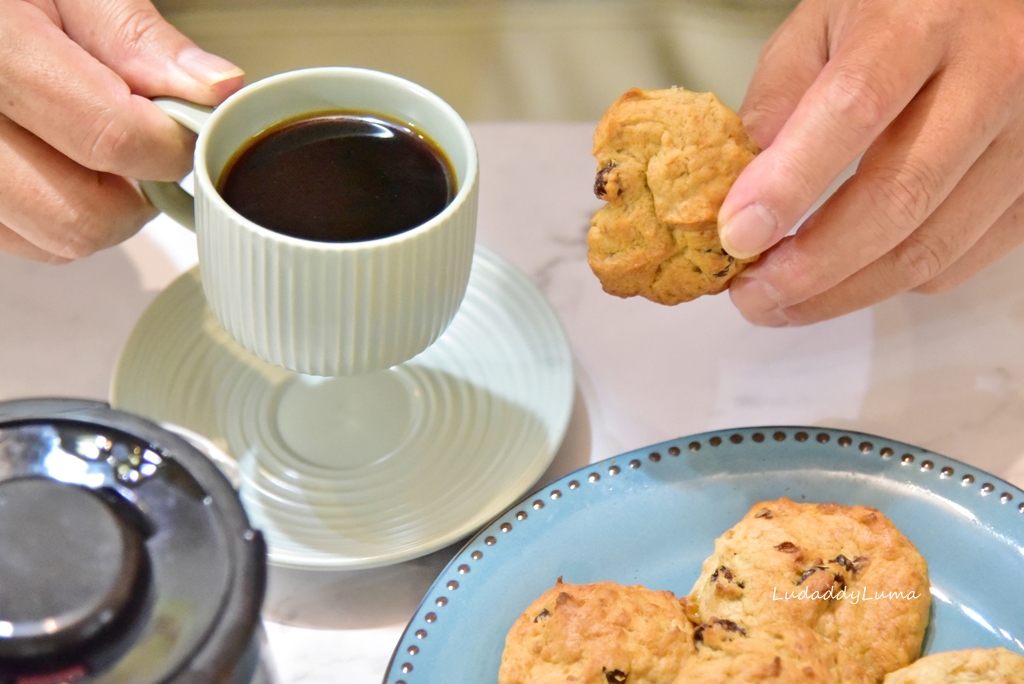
(339,308)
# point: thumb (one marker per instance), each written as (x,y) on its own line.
(133,40)
(790,63)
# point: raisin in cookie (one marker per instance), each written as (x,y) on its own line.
(601,633)
(666,160)
(845,572)
(726,652)
(970,666)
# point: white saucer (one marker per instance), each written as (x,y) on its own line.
(364,471)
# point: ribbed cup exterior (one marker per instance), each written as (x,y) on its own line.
(335,308)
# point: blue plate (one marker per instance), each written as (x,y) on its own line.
(651,517)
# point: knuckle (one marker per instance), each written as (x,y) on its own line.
(810,279)
(80,240)
(802,187)
(82,230)
(796,275)
(903,197)
(136,26)
(859,101)
(107,142)
(73,249)
(922,257)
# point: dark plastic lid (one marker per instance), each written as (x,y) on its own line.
(70,566)
(125,555)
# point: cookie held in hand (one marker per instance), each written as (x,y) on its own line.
(666,160)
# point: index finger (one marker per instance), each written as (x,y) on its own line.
(54,88)
(859,91)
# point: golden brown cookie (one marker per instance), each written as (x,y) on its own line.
(728,653)
(666,160)
(601,633)
(844,572)
(970,666)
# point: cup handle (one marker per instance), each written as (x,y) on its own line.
(171,198)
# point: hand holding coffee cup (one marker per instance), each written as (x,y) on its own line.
(335,213)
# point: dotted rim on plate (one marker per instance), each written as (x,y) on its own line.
(443,592)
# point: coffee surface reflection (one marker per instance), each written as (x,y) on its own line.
(339,177)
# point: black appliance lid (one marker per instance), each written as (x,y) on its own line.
(125,555)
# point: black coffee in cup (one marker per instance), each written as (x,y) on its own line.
(339,177)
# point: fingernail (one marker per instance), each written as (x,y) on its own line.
(748,232)
(758,301)
(208,69)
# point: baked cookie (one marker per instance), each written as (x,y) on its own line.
(726,652)
(666,160)
(970,666)
(844,572)
(601,633)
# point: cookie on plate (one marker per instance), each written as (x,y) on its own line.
(846,572)
(969,666)
(726,652)
(666,160)
(600,633)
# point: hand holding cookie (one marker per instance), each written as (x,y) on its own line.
(665,162)
(930,93)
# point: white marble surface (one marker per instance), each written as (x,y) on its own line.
(944,372)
